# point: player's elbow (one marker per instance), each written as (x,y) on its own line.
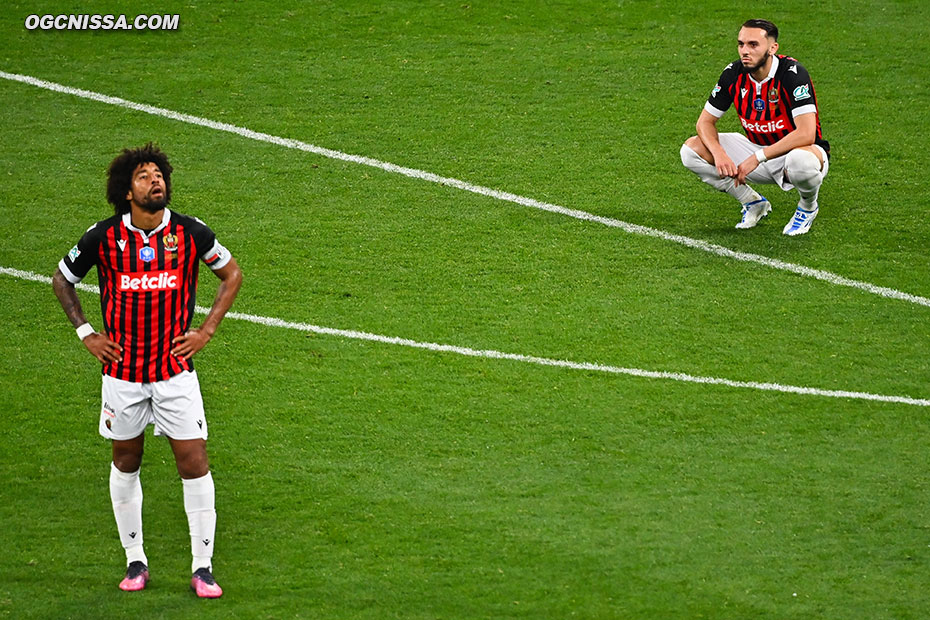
(232,279)
(806,132)
(59,281)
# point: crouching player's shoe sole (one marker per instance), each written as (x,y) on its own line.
(801,222)
(137,575)
(204,585)
(753,212)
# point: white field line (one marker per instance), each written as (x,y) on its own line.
(516,357)
(635,229)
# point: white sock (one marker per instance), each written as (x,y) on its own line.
(707,172)
(199,503)
(804,173)
(126,497)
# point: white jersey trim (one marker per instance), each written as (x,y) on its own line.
(70,277)
(771,74)
(221,252)
(127,220)
(713,111)
(804,109)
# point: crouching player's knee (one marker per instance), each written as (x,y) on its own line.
(690,154)
(803,169)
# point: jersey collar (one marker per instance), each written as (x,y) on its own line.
(127,222)
(771,72)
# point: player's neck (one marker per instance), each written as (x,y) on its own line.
(145,220)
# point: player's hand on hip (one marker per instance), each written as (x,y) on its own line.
(749,164)
(103,348)
(189,343)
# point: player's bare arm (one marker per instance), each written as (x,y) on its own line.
(707,132)
(802,136)
(196,339)
(101,347)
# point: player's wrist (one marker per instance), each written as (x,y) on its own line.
(85,330)
(760,156)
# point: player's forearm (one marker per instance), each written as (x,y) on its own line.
(801,136)
(707,132)
(225,296)
(68,299)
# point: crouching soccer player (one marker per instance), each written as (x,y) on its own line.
(147,260)
(774,98)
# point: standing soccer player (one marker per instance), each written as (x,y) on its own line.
(777,106)
(147,263)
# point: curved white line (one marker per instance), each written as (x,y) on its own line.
(526,359)
(635,229)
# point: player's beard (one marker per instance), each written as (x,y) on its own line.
(759,65)
(154,205)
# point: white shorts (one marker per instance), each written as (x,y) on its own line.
(738,147)
(174,406)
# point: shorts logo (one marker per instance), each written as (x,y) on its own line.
(147,254)
(74,253)
(110,415)
(149,281)
(802,92)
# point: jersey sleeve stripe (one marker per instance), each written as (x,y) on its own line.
(804,109)
(217,257)
(713,111)
(70,277)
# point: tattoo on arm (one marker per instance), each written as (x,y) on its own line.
(68,299)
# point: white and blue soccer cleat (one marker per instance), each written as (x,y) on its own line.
(753,212)
(801,222)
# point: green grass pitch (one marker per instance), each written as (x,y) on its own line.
(367,480)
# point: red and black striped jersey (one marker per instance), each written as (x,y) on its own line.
(148,287)
(767,109)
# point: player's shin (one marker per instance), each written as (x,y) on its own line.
(126,497)
(707,172)
(804,172)
(199,503)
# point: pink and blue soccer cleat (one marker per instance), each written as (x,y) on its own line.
(204,585)
(137,575)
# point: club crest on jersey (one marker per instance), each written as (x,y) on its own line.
(802,92)
(171,246)
(773,95)
(171,243)
(147,254)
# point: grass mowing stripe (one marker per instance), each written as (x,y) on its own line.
(516,357)
(636,229)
